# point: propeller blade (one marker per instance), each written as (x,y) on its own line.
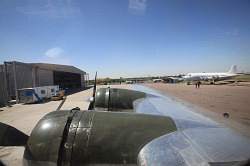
(94,90)
(91,105)
(10,136)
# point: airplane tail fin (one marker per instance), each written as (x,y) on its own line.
(233,69)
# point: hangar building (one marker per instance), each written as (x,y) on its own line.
(16,75)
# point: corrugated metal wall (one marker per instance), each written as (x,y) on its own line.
(27,76)
(19,75)
(23,76)
(83,81)
(45,77)
(3,89)
(9,78)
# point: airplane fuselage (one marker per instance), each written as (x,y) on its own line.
(208,76)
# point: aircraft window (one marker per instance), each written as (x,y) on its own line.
(42,91)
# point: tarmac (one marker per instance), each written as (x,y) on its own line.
(213,101)
(24,117)
(217,99)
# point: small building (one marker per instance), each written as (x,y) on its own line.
(172,79)
(17,75)
(157,80)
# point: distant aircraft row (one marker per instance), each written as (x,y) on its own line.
(212,76)
(194,77)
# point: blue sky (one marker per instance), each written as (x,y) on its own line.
(128,38)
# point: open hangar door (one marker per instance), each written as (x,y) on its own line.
(67,80)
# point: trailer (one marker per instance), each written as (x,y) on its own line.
(37,94)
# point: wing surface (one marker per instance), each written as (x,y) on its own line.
(199,140)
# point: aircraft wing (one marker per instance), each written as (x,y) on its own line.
(130,127)
(198,140)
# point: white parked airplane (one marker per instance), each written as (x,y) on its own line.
(212,76)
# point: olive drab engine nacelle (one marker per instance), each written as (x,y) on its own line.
(119,100)
(92,137)
(110,134)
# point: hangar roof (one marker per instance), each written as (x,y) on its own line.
(54,67)
(57,67)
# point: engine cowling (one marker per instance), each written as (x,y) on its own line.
(112,99)
(92,137)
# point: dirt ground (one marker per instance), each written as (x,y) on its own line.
(25,116)
(219,99)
